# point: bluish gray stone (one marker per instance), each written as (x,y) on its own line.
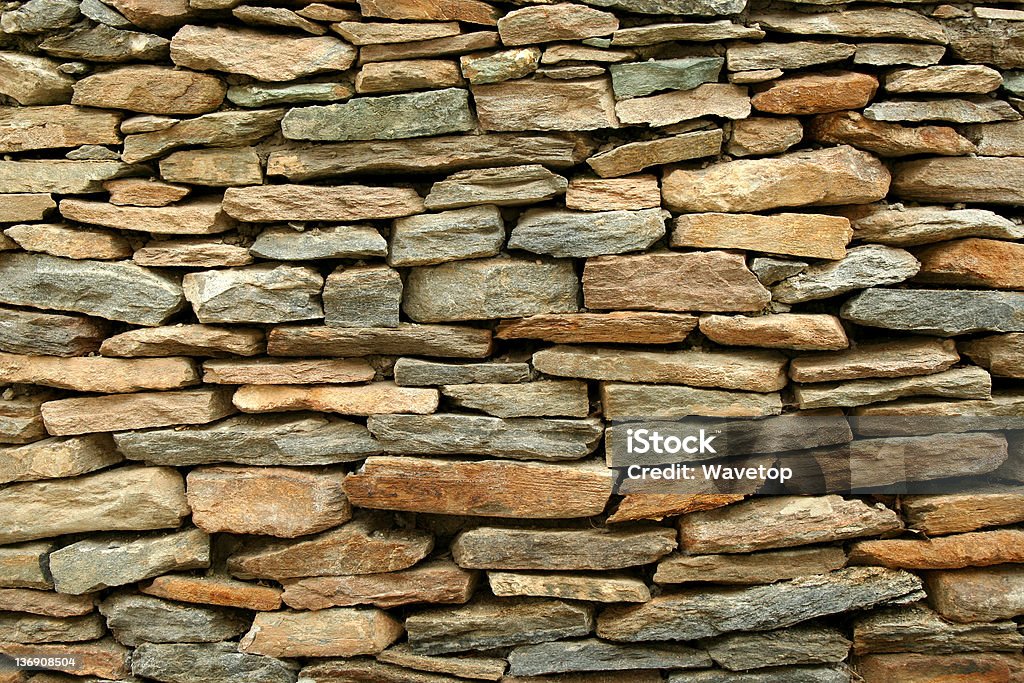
(637,79)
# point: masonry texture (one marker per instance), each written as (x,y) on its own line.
(313,317)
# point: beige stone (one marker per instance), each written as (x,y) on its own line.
(950,513)
(97,374)
(270,203)
(972,595)
(552,398)
(405,75)
(105,658)
(1001,354)
(710,99)
(77,243)
(973,262)
(797,331)
(899,358)
(956,78)
(29,128)
(750,568)
(670,401)
(378,33)
(29,79)
(45,602)
(921,668)
(24,565)
(976,549)
(154,15)
(194,253)
(436,47)
(57,458)
(231,166)
(888,139)
(605,588)
(546,23)
(546,105)
(817,93)
(658,506)
(446,341)
(335,632)
(25,207)
(369,399)
(151,90)
(274,371)
(760,135)
(636,156)
(139,192)
(994,180)
(185,340)
(793,234)
(135,411)
(200,217)
(469,11)
(618,327)
(630,193)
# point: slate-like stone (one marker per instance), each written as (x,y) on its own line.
(200,217)
(946,313)
(989,180)
(362,296)
(266,293)
(817,93)
(542,398)
(272,203)
(207,663)
(57,458)
(975,109)
(543,104)
(875,22)
(59,176)
(569,234)
(621,401)
(749,568)
(480,667)
(897,358)
(51,334)
(378,33)
(631,193)
(46,603)
(135,619)
(404,75)
(611,587)
(637,79)
(29,79)
(543,24)
(40,16)
(973,262)
(866,266)
(892,54)
(32,628)
(445,341)
(104,658)
(328,242)
(434,238)
(185,340)
(436,47)
(271,94)
(24,565)
(193,253)
(19,207)
(911,226)
(20,418)
(213,167)
(506,186)
(710,31)
(141,410)
(798,331)
(916,628)
(794,55)
(939,514)
(284,371)
(592,654)
(697,7)
(974,549)
(958,78)
(220,129)
(809,235)
(636,156)
(29,128)
(1000,354)
(214,590)
(976,595)
(998,139)
(413,372)
(151,90)
(61,240)
(501,66)
(359,399)
(888,139)
(601,328)
(103,43)
(333,632)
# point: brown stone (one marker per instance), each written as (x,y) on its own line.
(152,90)
(269,203)
(486,488)
(817,93)
(379,33)
(762,135)
(446,341)
(666,281)
(973,262)
(135,411)
(504,186)
(436,47)
(975,549)
(185,340)
(620,401)
(367,399)
(106,658)
(201,217)
(951,513)
(636,156)
(96,374)
(875,22)
(228,167)
(710,99)
(25,565)
(798,54)
(220,129)
(435,581)
(835,175)
(68,242)
(336,632)
(658,506)
(28,128)
(469,665)
(556,398)
(995,180)
(710,31)
(631,193)
(888,139)
(270,501)
(544,24)
(154,15)
(899,358)
(749,568)
(194,252)
(272,371)
(1000,354)
(45,602)
(546,105)
(57,458)
(612,587)
(20,418)
(998,139)
(405,75)
(214,590)
(970,595)
(139,192)
(618,327)
(918,668)
(28,79)
(469,11)
(957,78)
(25,207)
(794,234)
(797,331)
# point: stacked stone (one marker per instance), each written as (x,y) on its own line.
(313,316)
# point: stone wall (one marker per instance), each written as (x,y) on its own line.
(314,315)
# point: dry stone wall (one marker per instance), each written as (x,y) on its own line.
(313,317)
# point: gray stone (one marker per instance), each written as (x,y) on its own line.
(50,334)
(500,66)
(987,42)
(329,242)
(207,663)
(916,628)
(967,382)
(637,79)
(102,43)
(697,7)
(978,109)
(19,627)
(636,156)
(33,80)
(39,16)
(413,372)
(787,674)
(362,296)
(583,234)
(507,186)
(998,139)
(295,440)
(57,458)
(996,180)
(220,129)
(946,313)
(270,94)
(892,54)
(782,647)
(701,613)
(267,293)
(770,270)
(60,176)
(881,22)
(539,104)
(516,438)
(912,226)
(484,289)
(592,654)
(101,13)
(135,619)
(542,398)
(97,563)
(862,267)
(383,118)
(711,31)
(447,236)
(750,568)
(795,55)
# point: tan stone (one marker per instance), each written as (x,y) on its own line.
(30,128)
(151,90)
(336,632)
(965,382)
(405,75)
(275,17)
(214,590)
(761,135)
(976,549)
(76,243)
(270,203)
(546,105)
(710,31)
(977,667)
(139,192)
(467,665)
(835,175)
(939,514)
(888,139)
(618,327)
(1000,354)
(486,488)
(495,67)
(378,33)
(630,193)
(817,93)
(24,565)
(970,595)
(272,371)
(527,399)
(793,234)
(916,628)
(20,417)
(270,501)
(469,11)
(797,331)
(762,371)
(658,506)
(436,47)
(446,341)
(750,568)
(195,253)
(200,217)
(435,581)
(973,262)
(154,15)
(106,658)
(220,129)
(135,411)
(97,374)
(636,156)
(610,587)
(45,602)
(670,401)
(547,23)
(666,281)
(998,139)
(369,399)
(232,166)
(25,207)
(875,22)
(710,99)
(899,358)
(956,78)
(185,340)
(28,79)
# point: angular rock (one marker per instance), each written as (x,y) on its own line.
(912,226)
(46,603)
(96,374)
(435,581)
(998,139)
(247,440)
(796,179)
(102,43)
(596,655)
(336,632)
(529,399)
(24,566)
(31,80)
(220,129)
(30,128)
(782,522)
(636,156)
(57,458)
(631,401)
(450,235)
(102,562)
(945,313)
(631,193)
(698,7)
(787,233)
(500,66)
(365,399)
(899,358)
(364,546)
(976,109)
(939,514)
(795,55)
(31,628)
(960,78)
(214,167)
(888,139)
(488,623)
(771,270)
(32,332)
(862,267)
(328,242)
(213,590)
(915,668)
(25,207)
(608,588)
(567,234)
(377,33)
(67,242)
(880,22)
(916,628)
(436,47)
(474,666)
(543,24)
(196,218)
(135,619)
(207,663)
(797,331)
(976,595)
(265,293)
(486,488)
(508,186)
(755,136)
(976,549)
(540,104)
(270,203)
(277,17)
(139,192)
(195,253)
(269,94)
(404,75)
(817,93)
(185,340)
(469,11)
(782,647)
(40,16)
(745,370)
(151,90)
(20,417)
(710,99)
(362,296)
(446,341)
(135,411)
(967,179)
(273,371)
(973,263)
(1000,354)
(751,568)
(59,176)
(705,31)
(637,79)
(413,372)
(601,328)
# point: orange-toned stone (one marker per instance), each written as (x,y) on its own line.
(366,399)
(658,506)
(817,93)
(45,603)
(973,262)
(798,331)
(215,590)
(977,549)
(335,632)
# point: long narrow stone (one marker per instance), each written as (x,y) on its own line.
(796,645)
(945,313)
(98,374)
(975,549)
(57,458)
(592,654)
(140,410)
(966,382)
(205,341)
(950,513)
(794,234)
(612,587)
(375,398)
(446,341)
(618,327)
(896,358)
(270,203)
(584,234)
(916,628)
(334,632)
(749,568)
(203,217)
(977,595)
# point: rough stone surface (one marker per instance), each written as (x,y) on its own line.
(135,619)
(206,663)
(151,90)
(752,568)
(817,93)
(526,104)
(710,99)
(52,334)
(267,204)
(337,632)
(636,156)
(889,139)
(797,331)
(543,24)
(510,186)
(262,293)
(807,235)
(596,655)
(580,235)
(135,411)
(429,239)
(941,312)
(870,265)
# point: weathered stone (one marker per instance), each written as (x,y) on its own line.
(276,17)
(998,139)
(613,587)
(220,129)
(697,7)
(200,217)
(891,54)
(574,52)
(973,263)
(24,207)
(798,331)
(796,179)
(631,193)
(185,340)
(632,401)
(436,581)
(771,270)
(487,488)
(787,233)
(916,628)
(976,549)
(941,312)
(543,24)
(436,47)
(96,374)
(782,647)
(500,66)
(206,663)
(324,633)
(782,522)
(710,99)
(530,399)
(1003,408)
(468,665)
(364,546)
(756,136)
(595,655)
(1000,354)
(135,411)
(658,506)
(246,440)
(410,372)
(362,399)
(489,623)
(750,568)
(666,281)
(362,296)
(746,370)
(32,332)
(46,603)
(637,79)
(469,11)
(139,192)
(270,94)
(545,105)
(328,242)
(519,438)
(636,156)
(967,179)
(370,669)
(570,234)
(988,42)
(77,243)
(20,418)
(446,341)
(701,32)
(817,93)
(977,109)
(959,512)
(29,128)
(265,293)
(24,565)
(156,15)
(377,33)
(106,44)
(274,371)
(918,668)
(880,22)
(213,590)
(888,139)
(404,75)
(960,78)
(617,327)
(214,167)
(912,226)
(99,562)
(865,266)
(795,55)
(32,628)
(431,238)
(152,90)
(508,186)
(899,358)
(40,16)
(270,203)
(60,176)
(972,595)
(561,549)
(105,658)
(135,619)
(33,80)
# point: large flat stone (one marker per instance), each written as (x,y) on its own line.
(636,156)
(266,293)
(328,242)
(875,22)
(977,595)
(795,234)
(29,79)
(697,7)
(817,93)
(433,238)
(988,180)
(105,658)
(375,398)
(185,340)
(796,645)
(270,203)
(939,514)
(916,628)
(896,358)
(969,109)
(723,100)
(974,549)
(281,371)
(195,218)
(945,313)
(151,90)
(564,233)
(446,341)
(506,186)
(621,401)
(626,327)
(541,398)
(206,663)
(544,104)
(749,568)
(97,374)
(911,226)
(29,128)
(592,654)
(220,129)
(888,139)
(135,619)
(333,632)
(612,587)
(413,372)
(637,79)
(865,266)
(214,590)
(102,43)
(543,24)
(795,55)
(19,207)
(51,334)
(140,410)
(966,382)
(58,175)
(797,331)
(24,566)
(362,296)
(56,458)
